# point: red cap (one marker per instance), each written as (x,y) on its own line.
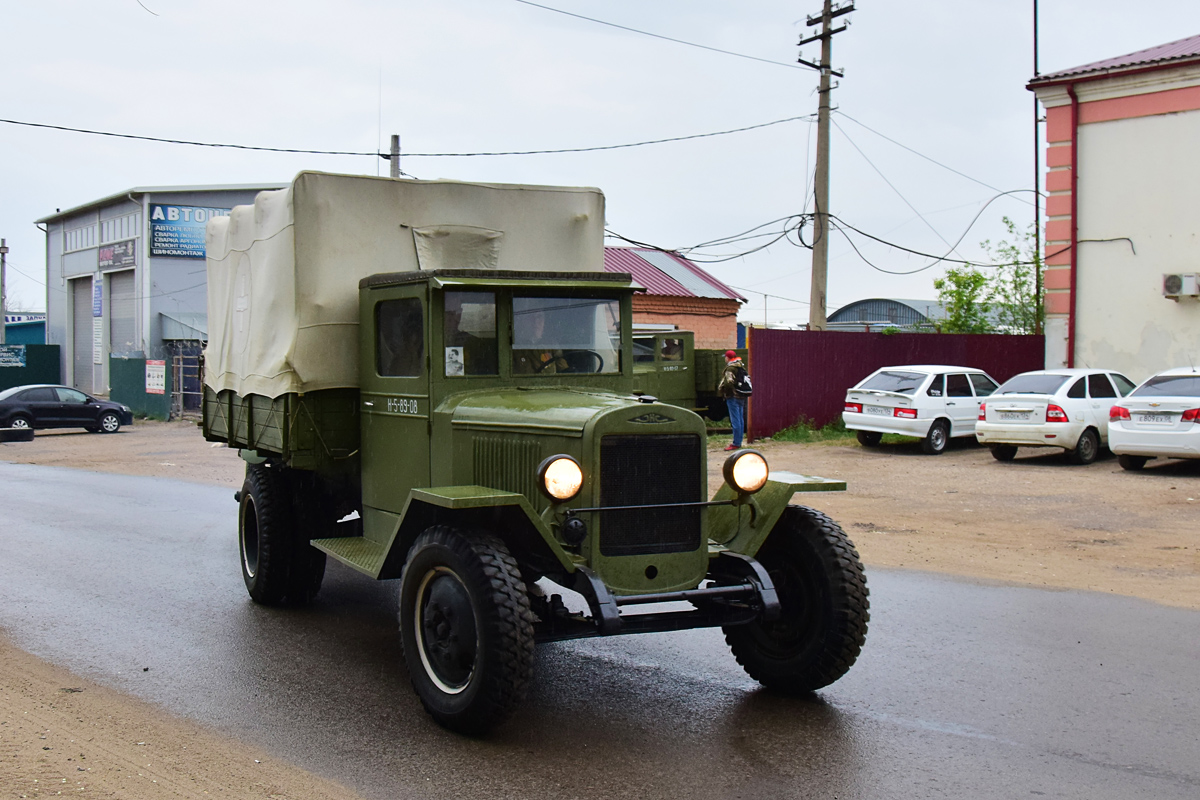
(730,355)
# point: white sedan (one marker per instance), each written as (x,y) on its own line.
(930,401)
(1064,408)
(1159,418)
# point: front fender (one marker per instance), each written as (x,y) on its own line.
(744,526)
(507,514)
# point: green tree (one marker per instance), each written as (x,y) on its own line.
(1015,291)
(963,291)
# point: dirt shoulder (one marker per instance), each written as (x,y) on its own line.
(1034,521)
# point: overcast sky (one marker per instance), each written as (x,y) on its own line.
(944,78)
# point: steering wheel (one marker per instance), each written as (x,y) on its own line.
(579,360)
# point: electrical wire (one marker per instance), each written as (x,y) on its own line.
(841,113)
(893,187)
(660,36)
(387,156)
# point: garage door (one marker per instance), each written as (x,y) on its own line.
(81,317)
(122,333)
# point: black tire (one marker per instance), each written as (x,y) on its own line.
(1087,449)
(467,628)
(1132,463)
(935,441)
(20,422)
(110,422)
(869,438)
(1004,452)
(278,566)
(823,597)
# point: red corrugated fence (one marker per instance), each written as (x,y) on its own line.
(805,374)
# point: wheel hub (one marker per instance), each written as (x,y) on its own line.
(446,630)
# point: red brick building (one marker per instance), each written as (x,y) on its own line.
(678,293)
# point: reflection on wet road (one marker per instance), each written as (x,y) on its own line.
(963,690)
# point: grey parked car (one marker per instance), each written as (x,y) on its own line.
(49,406)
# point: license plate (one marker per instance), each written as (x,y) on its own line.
(879,411)
(1006,416)
(1154,419)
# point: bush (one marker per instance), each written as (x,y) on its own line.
(804,430)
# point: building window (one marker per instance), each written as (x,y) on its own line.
(79,238)
(120,228)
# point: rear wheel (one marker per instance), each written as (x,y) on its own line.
(869,438)
(20,423)
(1132,463)
(823,603)
(1004,452)
(278,566)
(466,627)
(935,441)
(1086,449)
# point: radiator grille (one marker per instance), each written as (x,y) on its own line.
(507,464)
(641,470)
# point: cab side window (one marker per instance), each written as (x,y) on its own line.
(469,334)
(1079,390)
(672,350)
(643,350)
(399,338)
(1099,386)
(958,386)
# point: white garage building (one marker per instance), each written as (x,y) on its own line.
(125,275)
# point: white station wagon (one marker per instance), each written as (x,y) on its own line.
(1159,418)
(1064,408)
(931,401)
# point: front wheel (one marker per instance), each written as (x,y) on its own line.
(823,607)
(935,441)
(869,438)
(110,422)
(1086,449)
(466,627)
(1132,463)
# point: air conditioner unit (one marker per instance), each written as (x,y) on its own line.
(1180,284)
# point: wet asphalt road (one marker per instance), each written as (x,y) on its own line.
(963,690)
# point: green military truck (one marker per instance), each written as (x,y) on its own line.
(433,382)
(667,364)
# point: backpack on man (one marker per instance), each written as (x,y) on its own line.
(741,383)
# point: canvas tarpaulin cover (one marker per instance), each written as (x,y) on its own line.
(283,273)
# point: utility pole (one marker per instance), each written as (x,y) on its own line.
(395,157)
(820,257)
(3,296)
(1037,194)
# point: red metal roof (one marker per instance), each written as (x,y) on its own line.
(1162,55)
(665,273)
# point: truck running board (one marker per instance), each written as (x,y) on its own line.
(357,552)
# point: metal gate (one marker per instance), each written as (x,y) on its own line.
(81,337)
(187,378)
(122,313)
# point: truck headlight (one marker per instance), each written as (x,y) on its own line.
(560,478)
(746,471)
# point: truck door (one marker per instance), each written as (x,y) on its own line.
(395,399)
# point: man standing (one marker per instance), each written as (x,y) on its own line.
(735,388)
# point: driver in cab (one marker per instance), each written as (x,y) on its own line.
(532,353)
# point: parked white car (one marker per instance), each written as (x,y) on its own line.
(1064,408)
(1159,418)
(931,401)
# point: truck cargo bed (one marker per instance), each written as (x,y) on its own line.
(312,431)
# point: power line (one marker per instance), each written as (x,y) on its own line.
(660,36)
(922,155)
(879,172)
(406,155)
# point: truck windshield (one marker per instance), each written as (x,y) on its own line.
(556,335)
